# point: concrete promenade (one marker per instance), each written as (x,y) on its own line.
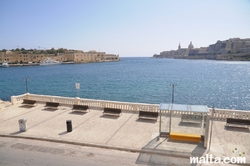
(120,133)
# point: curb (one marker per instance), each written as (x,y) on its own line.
(148,151)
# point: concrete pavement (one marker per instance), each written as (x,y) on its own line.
(121,133)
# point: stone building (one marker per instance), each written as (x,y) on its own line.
(232,45)
(190,46)
(69,56)
(21,58)
(233,48)
(203,51)
(180,52)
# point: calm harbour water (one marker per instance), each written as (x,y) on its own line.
(146,80)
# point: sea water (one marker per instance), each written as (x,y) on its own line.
(224,84)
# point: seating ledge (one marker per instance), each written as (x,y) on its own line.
(83,108)
(29,102)
(52,105)
(239,123)
(79,109)
(185,137)
(112,111)
(148,115)
(244,122)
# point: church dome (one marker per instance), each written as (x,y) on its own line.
(190,46)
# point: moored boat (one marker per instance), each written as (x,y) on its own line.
(49,61)
(5,64)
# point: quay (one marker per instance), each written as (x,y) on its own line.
(33,64)
(125,132)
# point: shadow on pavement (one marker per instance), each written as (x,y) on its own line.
(146,120)
(170,152)
(109,116)
(77,113)
(49,109)
(237,129)
(26,106)
(15,133)
(63,133)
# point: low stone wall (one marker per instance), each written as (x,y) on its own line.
(217,114)
(125,106)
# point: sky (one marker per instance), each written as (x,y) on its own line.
(130,28)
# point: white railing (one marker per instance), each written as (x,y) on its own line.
(125,106)
(218,114)
(18,99)
(223,114)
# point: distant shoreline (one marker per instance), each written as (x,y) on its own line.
(233,49)
(63,63)
(227,57)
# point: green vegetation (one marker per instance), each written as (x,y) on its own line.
(35,51)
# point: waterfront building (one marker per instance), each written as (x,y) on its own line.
(231,49)
(21,58)
(75,56)
(190,46)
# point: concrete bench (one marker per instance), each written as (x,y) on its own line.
(29,102)
(52,105)
(241,122)
(83,108)
(191,118)
(148,115)
(112,111)
(185,137)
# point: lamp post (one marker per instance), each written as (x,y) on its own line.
(26,80)
(173,85)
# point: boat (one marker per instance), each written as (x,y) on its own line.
(5,64)
(49,61)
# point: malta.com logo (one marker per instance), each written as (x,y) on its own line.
(209,159)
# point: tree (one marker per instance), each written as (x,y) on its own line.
(61,50)
(42,52)
(3,50)
(51,51)
(25,51)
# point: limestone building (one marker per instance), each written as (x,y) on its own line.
(180,52)
(233,48)
(69,56)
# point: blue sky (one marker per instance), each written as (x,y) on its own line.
(128,27)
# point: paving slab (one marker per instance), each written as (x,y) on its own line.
(126,131)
